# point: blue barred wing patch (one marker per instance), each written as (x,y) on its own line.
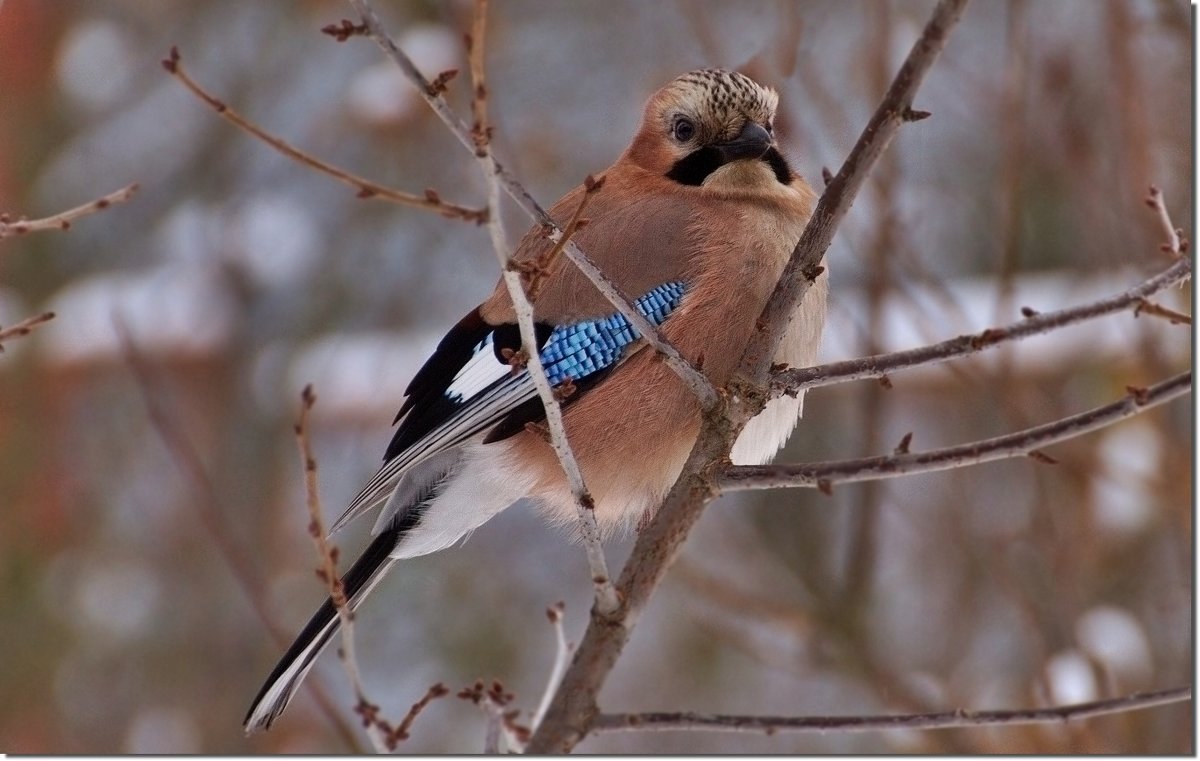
(576,351)
(484,394)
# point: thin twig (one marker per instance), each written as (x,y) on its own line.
(24,327)
(64,219)
(1026,443)
(436,691)
(481,130)
(430,201)
(693,378)
(329,575)
(1145,306)
(1176,245)
(574,707)
(188,460)
(959,719)
(383,735)
(795,380)
(606,598)
(501,720)
(536,272)
(562,656)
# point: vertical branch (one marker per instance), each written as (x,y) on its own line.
(479,100)
(562,655)
(606,598)
(383,735)
(329,575)
(860,558)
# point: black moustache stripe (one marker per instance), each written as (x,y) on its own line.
(694,168)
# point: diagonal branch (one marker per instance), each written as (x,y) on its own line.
(574,707)
(1026,443)
(894,111)
(430,201)
(24,327)
(695,380)
(64,219)
(795,380)
(961,718)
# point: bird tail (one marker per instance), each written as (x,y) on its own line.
(281,685)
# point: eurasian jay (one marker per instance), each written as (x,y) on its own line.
(695,220)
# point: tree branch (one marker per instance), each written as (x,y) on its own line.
(327,573)
(64,219)
(895,110)
(1021,443)
(24,327)
(562,656)
(959,719)
(792,381)
(571,713)
(695,380)
(384,737)
(606,597)
(1176,245)
(187,459)
(430,201)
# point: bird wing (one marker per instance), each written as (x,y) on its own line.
(468,386)
(637,235)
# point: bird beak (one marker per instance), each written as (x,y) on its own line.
(751,143)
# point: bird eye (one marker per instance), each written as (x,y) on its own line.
(683,129)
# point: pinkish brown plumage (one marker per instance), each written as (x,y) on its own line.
(696,220)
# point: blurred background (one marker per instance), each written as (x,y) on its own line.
(152,521)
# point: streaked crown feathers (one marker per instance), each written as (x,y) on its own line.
(718,99)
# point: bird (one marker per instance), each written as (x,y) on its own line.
(695,220)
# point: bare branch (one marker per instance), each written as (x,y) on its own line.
(64,219)
(606,598)
(894,111)
(535,272)
(384,737)
(695,380)
(480,130)
(1176,244)
(1021,443)
(430,201)
(959,719)
(1145,306)
(24,327)
(328,574)
(562,655)
(574,707)
(501,720)
(188,460)
(436,691)
(795,380)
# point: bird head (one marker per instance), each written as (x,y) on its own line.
(703,121)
